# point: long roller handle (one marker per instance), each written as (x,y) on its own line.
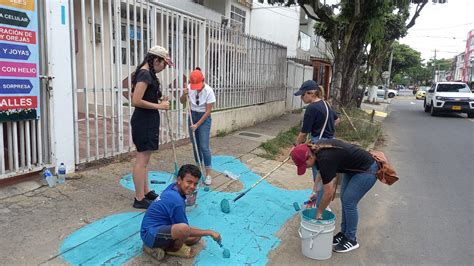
(261,179)
(170,133)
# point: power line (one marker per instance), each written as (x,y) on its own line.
(431,36)
(270,9)
(447,27)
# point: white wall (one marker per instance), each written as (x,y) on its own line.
(233,119)
(212,9)
(276,24)
(319,47)
(59,66)
(297,74)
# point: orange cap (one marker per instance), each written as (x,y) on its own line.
(196,78)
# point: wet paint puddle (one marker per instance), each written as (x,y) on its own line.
(248,231)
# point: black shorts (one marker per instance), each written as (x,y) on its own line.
(145,130)
(146,139)
(163,237)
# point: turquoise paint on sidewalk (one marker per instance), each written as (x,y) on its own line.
(248,231)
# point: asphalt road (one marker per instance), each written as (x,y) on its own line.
(427,216)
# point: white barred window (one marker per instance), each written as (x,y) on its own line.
(237,18)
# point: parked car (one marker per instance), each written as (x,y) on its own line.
(381,92)
(421,93)
(449,97)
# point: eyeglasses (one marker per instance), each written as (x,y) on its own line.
(197,98)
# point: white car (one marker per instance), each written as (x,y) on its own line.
(381,92)
(449,97)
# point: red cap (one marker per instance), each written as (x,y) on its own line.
(196,78)
(299,155)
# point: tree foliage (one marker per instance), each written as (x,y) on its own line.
(349,27)
(404,58)
(407,66)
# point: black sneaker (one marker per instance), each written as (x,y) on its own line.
(337,238)
(141,204)
(151,195)
(346,245)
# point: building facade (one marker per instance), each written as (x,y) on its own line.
(467,74)
(90,49)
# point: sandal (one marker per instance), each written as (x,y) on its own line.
(184,252)
(156,253)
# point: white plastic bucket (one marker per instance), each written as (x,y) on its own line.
(316,235)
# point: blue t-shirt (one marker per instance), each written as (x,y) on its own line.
(168,209)
(314,118)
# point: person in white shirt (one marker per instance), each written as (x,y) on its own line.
(202,98)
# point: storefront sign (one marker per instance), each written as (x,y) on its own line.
(19,58)
(22,4)
(14,51)
(14,18)
(18,102)
(17,35)
(17,69)
(15,86)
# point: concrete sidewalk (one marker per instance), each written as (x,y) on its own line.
(36,219)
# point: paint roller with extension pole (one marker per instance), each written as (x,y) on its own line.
(173,145)
(225,205)
(261,179)
(193,135)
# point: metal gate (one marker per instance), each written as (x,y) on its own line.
(26,145)
(111,39)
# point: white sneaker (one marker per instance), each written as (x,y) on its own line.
(208,180)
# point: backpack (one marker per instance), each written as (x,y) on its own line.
(386,174)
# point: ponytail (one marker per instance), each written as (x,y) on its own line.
(315,147)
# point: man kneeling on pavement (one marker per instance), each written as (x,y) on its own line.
(165,227)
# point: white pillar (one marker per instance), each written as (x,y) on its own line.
(59,67)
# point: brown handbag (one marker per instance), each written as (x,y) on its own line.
(386,174)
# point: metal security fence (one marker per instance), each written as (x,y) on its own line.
(297,74)
(111,38)
(242,69)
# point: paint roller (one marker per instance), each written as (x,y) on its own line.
(297,206)
(225,251)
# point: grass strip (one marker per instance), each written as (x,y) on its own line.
(367,133)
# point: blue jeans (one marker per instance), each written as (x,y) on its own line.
(354,186)
(315,173)
(203,134)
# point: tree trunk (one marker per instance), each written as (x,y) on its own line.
(347,64)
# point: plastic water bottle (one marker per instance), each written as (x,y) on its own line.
(50,178)
(61,174)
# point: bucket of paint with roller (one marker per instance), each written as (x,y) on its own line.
(191,201)
(316,235)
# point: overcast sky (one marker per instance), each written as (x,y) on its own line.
(443,27)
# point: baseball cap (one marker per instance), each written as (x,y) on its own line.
(299,155)
(308,85)
(196,78)
(161,52)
